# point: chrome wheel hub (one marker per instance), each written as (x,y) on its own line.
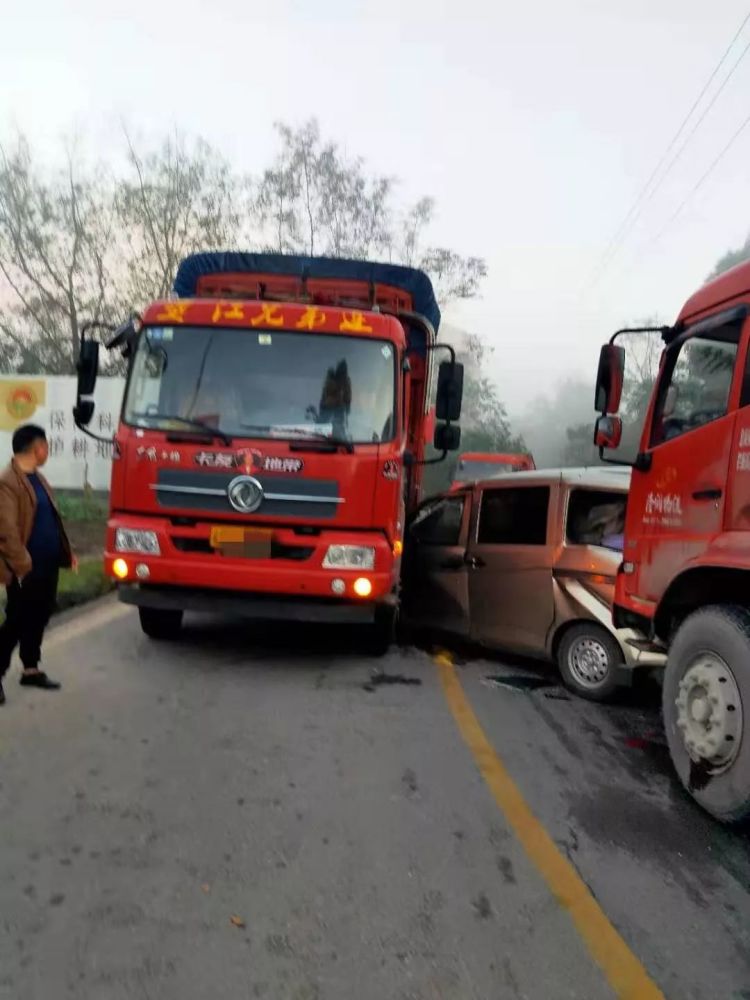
(588,661)
(709,711)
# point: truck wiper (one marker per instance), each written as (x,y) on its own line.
(321,443)
(190,424)
(305,440)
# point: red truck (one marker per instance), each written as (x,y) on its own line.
(684,582)
(271,441)
(474,466)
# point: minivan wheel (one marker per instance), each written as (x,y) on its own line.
(589,659)
(159,624)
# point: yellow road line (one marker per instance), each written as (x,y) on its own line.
(625,974)
(86,622)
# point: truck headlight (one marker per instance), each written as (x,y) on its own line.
(349,557)
(132,540)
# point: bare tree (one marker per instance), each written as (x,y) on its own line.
(54,260)
(314,200)
(178,199)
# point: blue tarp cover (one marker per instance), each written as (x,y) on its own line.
(415,282)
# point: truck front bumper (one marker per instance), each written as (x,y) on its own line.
(260,607)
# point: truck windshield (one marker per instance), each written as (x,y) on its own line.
(263,383)
(468,472)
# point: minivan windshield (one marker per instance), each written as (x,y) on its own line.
(263,383)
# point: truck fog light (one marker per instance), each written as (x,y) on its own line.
(142,571)
(338,586)
(362,586)
(120,568)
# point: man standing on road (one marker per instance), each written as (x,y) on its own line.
(33,549)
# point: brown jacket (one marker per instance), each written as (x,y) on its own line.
(17,511)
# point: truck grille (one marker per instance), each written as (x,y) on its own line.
(283,496)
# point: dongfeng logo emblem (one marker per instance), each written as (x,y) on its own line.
(245,494)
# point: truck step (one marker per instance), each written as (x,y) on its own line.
(647,645)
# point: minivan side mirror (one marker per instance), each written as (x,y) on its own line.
(608,432)
(88,369)
(447,437)
(609,379)
(450,390)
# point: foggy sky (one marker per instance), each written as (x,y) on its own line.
(534,126)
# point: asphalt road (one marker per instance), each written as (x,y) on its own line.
(244,814)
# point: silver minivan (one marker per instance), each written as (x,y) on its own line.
(527,563)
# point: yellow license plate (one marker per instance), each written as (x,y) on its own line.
(250,542)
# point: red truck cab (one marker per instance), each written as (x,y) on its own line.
(474,466)
(271,439)
(684,582)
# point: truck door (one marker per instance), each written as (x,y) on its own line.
(435,572)
(510,568)
(676,506)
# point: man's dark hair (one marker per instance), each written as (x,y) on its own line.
(26,436)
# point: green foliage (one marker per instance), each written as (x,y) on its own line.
(85,585)
(485,427)
(731,258)
(82,507)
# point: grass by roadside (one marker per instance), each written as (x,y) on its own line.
(77,588)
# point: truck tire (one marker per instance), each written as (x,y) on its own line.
(159,624)
(589,660)
(382,632)
(706,709)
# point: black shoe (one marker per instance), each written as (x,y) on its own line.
(2,694)
(39,680)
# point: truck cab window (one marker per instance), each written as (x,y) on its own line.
(697,391)
(514,516)
(439,523)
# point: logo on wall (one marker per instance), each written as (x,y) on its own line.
(19,400)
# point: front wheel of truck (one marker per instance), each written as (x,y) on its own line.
(706,709)
(382,632)
(159,624)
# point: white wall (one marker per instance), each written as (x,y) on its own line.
(48,401)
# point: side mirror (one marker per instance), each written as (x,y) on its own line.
(83,411)
(609,379)
(125,336)
(608,432)
(450,390)
(88,369)
(447,437)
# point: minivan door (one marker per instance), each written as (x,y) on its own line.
(435,573)
(510,559)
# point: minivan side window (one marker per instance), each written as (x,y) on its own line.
(439,523)
(596,517)
(514,516)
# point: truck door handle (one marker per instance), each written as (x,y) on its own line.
(474,562)
(709,494)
